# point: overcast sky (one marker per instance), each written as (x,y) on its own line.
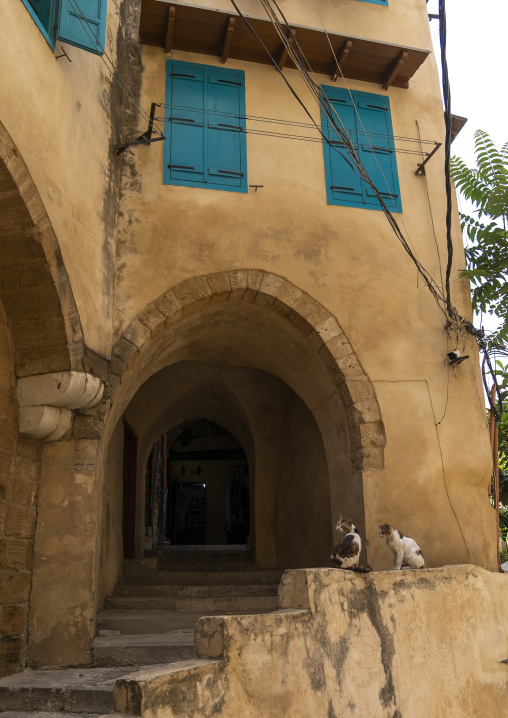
(477,65)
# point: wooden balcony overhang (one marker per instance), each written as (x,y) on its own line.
(176,26)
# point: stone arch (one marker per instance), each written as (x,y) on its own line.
(35,289)
(277,294)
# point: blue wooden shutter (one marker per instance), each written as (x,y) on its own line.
(185,126)
(225,138)
(377,149)
(83,23)
(343,183)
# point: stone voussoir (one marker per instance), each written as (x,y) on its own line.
(192,293)
(363,412)
(125,349)
(137,333)
(311,310)
(219,286)
(151,317)
(356,390)
(169,305)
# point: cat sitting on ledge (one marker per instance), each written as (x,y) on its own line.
(406,552)
(346,553)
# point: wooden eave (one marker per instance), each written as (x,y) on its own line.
(196,29)
(458,123)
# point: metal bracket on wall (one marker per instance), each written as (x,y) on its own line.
(146,138)
(421,166)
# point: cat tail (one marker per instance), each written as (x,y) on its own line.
(361,569)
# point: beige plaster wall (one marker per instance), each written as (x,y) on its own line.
(350,261)
(64,118)
(386,645)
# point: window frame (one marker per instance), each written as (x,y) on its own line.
(376,2)
(208,70)
(393,202)
(50,38)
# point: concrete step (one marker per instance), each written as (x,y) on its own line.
(137,590)
(138,650)
(203,602)
(71,690)
(227,604)
(148,574)
(153,622)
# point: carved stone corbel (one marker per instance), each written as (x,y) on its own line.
(46,401)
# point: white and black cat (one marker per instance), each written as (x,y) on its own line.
(407,553)
(346,553)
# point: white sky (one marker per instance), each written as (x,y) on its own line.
(477,55)
(477,68)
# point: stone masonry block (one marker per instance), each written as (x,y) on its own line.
(151,317)
(326,356)
(255,279)
(125,349)
(239,283)
(339,347)
(117,366)
(169,305)
(300,323)
(137,333)
(289,294)
(350,367)
(114,382)
(27,469)
(6,486)
(29,448)
(3,512)
(4,557)
(367,435)
(363,412)
(209,637)
(192,291)
(24,492)
(13,621)
(219,287)
(312,310)
(20,521)
(356,390)
(271,285)
(14,587)
(19,554)
(370,458)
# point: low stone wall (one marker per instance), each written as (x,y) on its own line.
(410,644)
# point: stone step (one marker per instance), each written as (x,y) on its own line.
(148,574)
(153,622)
(138,650)
(142,590)
(71,690)
(204,602)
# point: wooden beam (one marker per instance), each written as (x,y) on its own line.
(342,58)
(227,40)
(285,51)
(170,29)
(394,69)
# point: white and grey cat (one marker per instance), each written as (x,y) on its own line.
(406,552)
(346,553)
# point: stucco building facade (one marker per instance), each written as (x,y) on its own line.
(143,292)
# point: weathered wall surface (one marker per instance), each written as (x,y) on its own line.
(386,645)
(19,473)
(347,259)
(65,119)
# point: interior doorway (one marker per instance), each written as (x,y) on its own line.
(197,489)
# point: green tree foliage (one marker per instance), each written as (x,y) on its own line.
(486,233)
(486,187)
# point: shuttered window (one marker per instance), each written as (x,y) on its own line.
(205,127)
(78,22)
(367,120)
(376,2)
(83,24)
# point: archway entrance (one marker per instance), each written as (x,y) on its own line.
(197,489)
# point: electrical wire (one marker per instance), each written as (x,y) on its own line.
(447,146)
(338,128)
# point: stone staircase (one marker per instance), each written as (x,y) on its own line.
(147,625)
